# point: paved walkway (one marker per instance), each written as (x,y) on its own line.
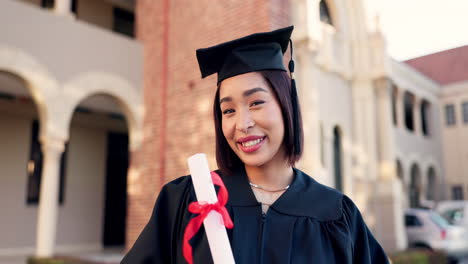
(13,260)
(107,256)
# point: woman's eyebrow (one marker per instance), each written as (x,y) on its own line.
(244,94)
(225,99)
(253,90)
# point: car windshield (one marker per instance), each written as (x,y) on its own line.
(439,220)
(454,216)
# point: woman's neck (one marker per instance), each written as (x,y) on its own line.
(273,176)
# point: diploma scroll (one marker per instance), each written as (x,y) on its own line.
(205,192)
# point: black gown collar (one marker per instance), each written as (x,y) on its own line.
(305,197)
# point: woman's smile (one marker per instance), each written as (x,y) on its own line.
(251,143)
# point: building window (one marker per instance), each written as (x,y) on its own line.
(48,3)
(124,22)
(34,169)
(338,158)
(394,105)
(450,115)
(409,118)
(457,192)
(431,184)
(399,170)
(325,15)
(465,112)
(415,187)
(73,6)
(425,110)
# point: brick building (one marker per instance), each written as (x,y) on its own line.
(178,103)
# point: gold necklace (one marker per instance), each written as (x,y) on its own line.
(267,190)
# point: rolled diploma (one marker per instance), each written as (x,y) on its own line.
(214,228)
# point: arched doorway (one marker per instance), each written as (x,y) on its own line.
(97,174)
(415,187)
(409,113)
(20,162)
(338,158)
(425,112)
(325,13)
(395,105)
(431,184)
(399,171)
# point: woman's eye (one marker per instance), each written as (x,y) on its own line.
(257,103)
(228,111)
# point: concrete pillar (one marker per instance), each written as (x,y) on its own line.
(48,204)
(364,118)
(389,201)
(307,84)
(314,29)
(386,142)
(63,7)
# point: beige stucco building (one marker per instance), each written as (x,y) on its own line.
(66,86)
(376,124)
(448,69)
(71,82)
(455,137)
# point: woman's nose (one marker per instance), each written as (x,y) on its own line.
(244,121)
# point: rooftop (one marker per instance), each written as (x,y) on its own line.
(445,67)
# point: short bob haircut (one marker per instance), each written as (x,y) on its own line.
(280,82)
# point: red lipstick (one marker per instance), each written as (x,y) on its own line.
(251,143)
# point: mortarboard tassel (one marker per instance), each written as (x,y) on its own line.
(294,101)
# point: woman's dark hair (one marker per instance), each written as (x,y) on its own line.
(280,83)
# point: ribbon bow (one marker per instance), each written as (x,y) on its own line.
(203,209)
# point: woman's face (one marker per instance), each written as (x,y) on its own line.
(252,122)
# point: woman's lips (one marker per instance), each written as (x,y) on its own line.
(251,143)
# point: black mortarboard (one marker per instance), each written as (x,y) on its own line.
(256,52)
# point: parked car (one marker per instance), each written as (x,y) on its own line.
(427,229)
(455,212)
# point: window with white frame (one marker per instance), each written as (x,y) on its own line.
(450,115)
(457,192)
(465,112)
(325,15)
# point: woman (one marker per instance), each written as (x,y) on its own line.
(280,214)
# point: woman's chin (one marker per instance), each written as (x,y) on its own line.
(253,161)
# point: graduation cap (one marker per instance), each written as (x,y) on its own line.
(256,52)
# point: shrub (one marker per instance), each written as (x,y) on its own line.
(56,260)
(419,257)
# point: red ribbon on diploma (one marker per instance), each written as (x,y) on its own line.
(203,209)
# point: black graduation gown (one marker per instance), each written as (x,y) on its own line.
(309,223)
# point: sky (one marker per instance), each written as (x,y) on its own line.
(418,27)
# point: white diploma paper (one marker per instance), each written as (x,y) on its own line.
(205,191)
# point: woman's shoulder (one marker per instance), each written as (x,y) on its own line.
(177,190)
(307,197)
(323,202)
(180,182)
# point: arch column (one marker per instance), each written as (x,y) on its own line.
(417,115)
(386,142)
(364,122)
(52,148)
(389,198)
(400,109)
(310,105)
(63,8)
